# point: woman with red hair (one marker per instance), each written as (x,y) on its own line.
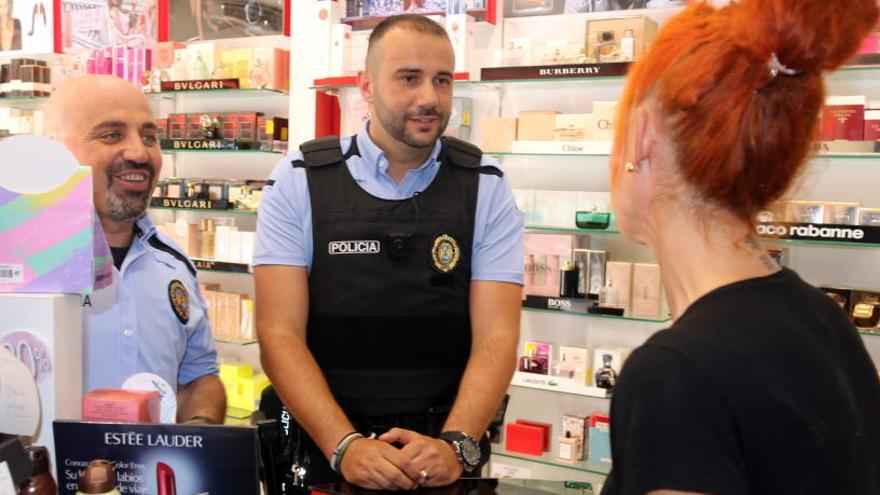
(761,385)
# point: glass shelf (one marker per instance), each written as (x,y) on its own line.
(206,210)
(548,460)
(171,152)
(370,21)
(24,102)
(568,230)
(591,315)
(507,153)
(212,93)
(854,156)
(869,334)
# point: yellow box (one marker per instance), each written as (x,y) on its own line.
(536,126)
(574,127)
(246,392)
(499,133)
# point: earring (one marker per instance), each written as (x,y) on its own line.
(629,167)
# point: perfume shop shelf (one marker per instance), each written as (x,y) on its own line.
(204,265)
(557,384)
(370,21)
(591,315)
(24,102)
(207,210)
(870,334)
(537,229)
(172,151)
(548,460)
(235,342)
(214,93)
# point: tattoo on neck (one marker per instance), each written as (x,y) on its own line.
(762,253)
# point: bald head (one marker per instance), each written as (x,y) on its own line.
(80,100)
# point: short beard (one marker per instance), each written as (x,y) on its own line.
(127,206)
(397,128)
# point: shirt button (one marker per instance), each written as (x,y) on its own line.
(128,332)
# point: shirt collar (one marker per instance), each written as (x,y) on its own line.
(144,228)
(373,156)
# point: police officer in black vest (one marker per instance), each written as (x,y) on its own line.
(388,277)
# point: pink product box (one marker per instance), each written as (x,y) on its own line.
(121,406)
(544,255)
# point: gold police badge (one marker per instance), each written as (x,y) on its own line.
(445,253)
(179,297)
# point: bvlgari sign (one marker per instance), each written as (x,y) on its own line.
(568,71)
(200,85)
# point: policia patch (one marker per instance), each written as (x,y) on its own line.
(179,298)
(445,253)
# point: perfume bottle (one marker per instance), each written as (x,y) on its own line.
(529,269)
(258,76)
(606,48)
(608,295)
(41,481)
(207,238)
(866,314)
(606,377)
(156,77)
(541,269)
(220,72)
(200,68)
(568,280)
(628,46)
(179,67)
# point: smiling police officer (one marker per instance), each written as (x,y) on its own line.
(388,277)
(152,319)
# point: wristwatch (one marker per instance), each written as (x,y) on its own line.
(466,448)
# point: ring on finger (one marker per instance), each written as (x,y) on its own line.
(425,476)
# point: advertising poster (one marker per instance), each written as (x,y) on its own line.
(91,24)
(25,27)
(160,459)
(196,20)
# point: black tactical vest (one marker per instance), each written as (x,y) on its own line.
(389,288)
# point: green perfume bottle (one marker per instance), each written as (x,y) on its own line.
(592,219)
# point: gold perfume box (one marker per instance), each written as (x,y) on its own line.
(536,126)
(643,29)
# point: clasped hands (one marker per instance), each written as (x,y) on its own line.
(379,465)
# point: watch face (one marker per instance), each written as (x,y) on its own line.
(470,452)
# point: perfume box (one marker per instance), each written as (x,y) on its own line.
(604,113)
(340,50)
(460,28)
(615,356)
(872,125)
(599,445)
(647,292)
(121,406)
(273,62)
(618,280)
(161,128)
(844,118)
(229,126)
(499,133)
(574,363)
(247,125)
(591,272)
(869,216)
(524,439)
(544,256)
(805,212)
(517,52)
(575,426)
(536,357)
(164,53)
(528,8)
(536,126)
(574,127)
(612,30)
(547,431)
(842,213)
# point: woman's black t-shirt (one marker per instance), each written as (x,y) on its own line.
(761,387)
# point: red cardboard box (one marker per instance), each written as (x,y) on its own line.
(525,439)
(547,427)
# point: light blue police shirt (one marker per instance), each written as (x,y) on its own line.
(284,223)
(131,327)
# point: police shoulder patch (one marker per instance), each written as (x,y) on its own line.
(179,298)
(445,253)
